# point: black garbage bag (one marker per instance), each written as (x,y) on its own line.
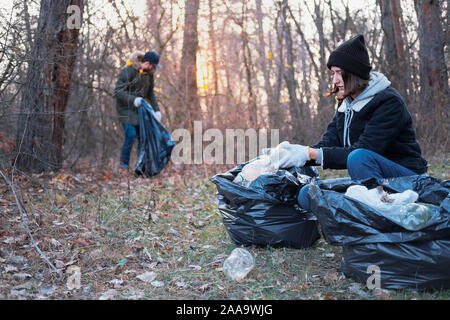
(406,259)
(156,143)
(266,212)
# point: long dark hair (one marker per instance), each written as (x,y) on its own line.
(352,85)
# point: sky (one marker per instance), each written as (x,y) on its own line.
(138,5)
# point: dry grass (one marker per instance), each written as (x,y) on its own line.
(117,228)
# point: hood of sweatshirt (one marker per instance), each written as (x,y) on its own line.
(133,60)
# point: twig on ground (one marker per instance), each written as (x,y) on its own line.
(25,223)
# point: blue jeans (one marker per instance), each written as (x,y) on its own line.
(362,164)
(131,133)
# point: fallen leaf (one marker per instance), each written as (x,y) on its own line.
(21,276)
(147,276)
(55,242)
(82,242)
(9,240)
(27,285)
(10,268)
(382,293)
(74,281)
(135,295)
(174,232)
(329,296)
(157,283)
(356,288)
(204,287)
(59,264)
(180,283)
(18,292)
(60,200)
(195,267)
(109,295)
(331,277)
(116,283)
(149,256)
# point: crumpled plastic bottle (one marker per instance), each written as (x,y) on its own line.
(415,216)
(399,207)
(258,167)
(264,164)
(238,264)
(254,169)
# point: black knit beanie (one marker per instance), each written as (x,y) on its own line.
(352,56)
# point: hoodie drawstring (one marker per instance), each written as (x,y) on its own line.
(348,119)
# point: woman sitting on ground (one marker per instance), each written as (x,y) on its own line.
(371,134)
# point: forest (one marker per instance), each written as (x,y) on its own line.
(249,66)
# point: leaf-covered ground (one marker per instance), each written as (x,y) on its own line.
(113,236)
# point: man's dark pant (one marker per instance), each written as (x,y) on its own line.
(131,133)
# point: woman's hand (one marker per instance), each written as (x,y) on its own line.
(296,155)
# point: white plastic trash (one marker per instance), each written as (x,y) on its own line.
(398,207)
(263,165)
(238,264)
(254,169)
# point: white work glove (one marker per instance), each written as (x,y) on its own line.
(138,102)
(296,156)
(158,115)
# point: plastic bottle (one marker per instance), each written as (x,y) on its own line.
(238,264)
(263,165)
(415,216)
(398,207)
(258,167)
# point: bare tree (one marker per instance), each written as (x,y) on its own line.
(188,66)
(396,53)
(264,65)
(433,70)
(270,70)
(289,76)
(248,64)
(41,124)
(318,17)
(212,37)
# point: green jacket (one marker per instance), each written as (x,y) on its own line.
(130,85)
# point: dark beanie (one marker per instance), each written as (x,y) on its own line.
(352,56)
(152,57)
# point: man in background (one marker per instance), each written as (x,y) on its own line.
(135,83)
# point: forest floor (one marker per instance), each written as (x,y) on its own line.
(113,236)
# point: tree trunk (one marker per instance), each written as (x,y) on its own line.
(433,71)
(47,88)
(278,61)
(188,67)
(323,80)
(396,55)
(271,104)
(214,107)
(291,83)
(246,53)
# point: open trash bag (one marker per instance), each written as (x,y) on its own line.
(406,258)
(156,143)
(265,212)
